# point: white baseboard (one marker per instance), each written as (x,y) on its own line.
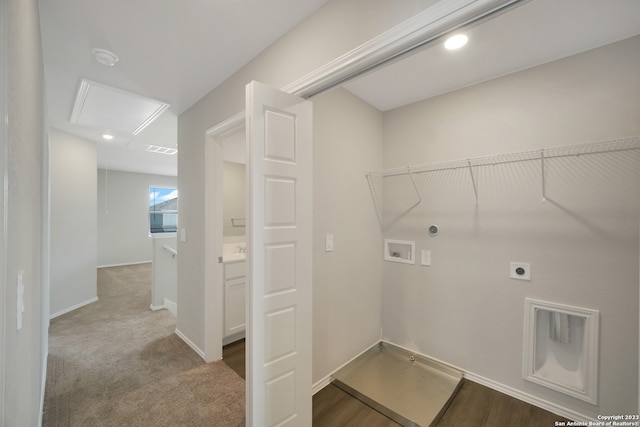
(168,305)
(194,347)
(75,307)
(320,384)
(233,338)
(528,398)
(124,264)
(172,307)
(325,381)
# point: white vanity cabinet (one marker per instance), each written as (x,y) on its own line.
(234,298)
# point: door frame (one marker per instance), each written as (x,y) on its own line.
(213,273)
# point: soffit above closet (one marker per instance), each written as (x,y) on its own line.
(532,33)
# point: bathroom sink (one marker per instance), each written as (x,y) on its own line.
(233,252)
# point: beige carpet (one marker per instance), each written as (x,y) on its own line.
(117,363)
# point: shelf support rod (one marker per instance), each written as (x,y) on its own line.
(415,187)
(473,180)
(376,202)
(544,188)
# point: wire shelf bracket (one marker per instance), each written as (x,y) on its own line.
(542,155)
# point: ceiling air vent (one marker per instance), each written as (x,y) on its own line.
(153,148)
(104,107)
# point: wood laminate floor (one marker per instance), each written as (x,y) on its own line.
(473,406)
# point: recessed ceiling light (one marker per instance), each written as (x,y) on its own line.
(105,57)
(456,42)
(107,136)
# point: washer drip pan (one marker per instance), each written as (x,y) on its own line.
(411,389)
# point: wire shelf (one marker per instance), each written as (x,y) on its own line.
(375,178)
(620,144)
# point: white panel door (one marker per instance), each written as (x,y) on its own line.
(279,234)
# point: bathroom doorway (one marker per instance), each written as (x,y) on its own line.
(224,141)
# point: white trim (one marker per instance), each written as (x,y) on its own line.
(75,307)
(233,338)
(228,126)
(528,398)
(417,31)
(214,270)
(167,304)
(190,343)
(214,239)
(4,142)
(325,381)
(43,385)
(319,385)
(126,263)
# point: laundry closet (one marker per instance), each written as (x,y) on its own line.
(508,214)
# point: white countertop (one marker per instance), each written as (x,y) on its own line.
(233,252)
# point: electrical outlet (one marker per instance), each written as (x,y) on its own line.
(520,271)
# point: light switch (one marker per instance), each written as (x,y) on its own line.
(183,234)
(328,243)
(20,301)
(425,258)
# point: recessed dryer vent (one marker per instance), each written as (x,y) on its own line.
(561,348)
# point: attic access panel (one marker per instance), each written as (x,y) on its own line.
(103,107)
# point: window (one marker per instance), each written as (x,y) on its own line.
(163,210)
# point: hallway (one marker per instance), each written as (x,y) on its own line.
(117,363)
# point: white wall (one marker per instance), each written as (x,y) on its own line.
(123,216)
(333,30)
(24,193)
(346,282)
(582,244)
(73,222)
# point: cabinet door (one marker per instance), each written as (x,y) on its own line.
(234,306)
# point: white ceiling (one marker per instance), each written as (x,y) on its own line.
(172,51)
(529,34)
(177,52)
